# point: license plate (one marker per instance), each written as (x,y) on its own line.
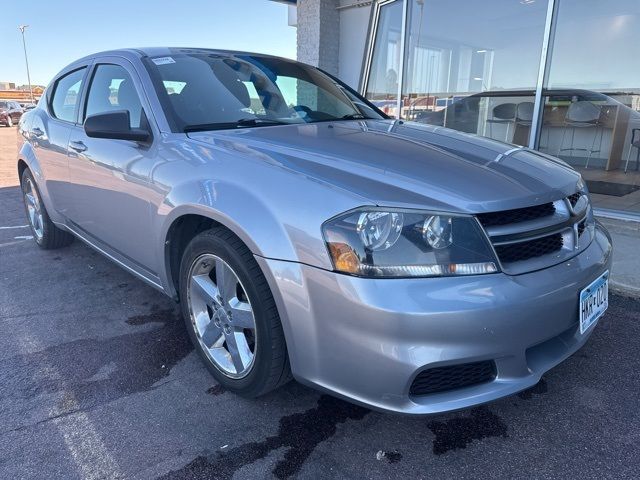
(594,300)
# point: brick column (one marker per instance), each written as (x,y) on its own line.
(319,34)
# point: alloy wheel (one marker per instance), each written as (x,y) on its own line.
(221,315)
(34,208)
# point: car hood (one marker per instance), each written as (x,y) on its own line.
(407,164)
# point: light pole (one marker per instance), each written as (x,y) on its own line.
(26,60)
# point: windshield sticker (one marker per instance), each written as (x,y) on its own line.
(163,60)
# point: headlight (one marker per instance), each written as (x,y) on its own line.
(375,242)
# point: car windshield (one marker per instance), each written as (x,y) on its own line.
(210,91)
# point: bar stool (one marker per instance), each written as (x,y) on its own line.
(634,143)
(524,114)
(505,113)
(582,114)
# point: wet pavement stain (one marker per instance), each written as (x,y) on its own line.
(97,371)
(538,389)
(391,457)
(216,390)
(459,432)
(300,433)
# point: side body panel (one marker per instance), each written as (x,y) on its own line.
(109,183)
(212,180)
(48,141)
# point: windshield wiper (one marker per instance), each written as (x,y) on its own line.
(242,123)
(354,116)
(251,122)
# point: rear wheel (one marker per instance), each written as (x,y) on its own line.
(45,232)
(231,315)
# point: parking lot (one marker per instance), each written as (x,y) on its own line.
(99,381)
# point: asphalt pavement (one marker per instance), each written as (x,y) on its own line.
(98,380)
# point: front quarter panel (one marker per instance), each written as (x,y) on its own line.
(31,150)
(277,213)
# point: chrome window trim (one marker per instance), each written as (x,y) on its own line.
(373,30)
(403,36)
(543,73)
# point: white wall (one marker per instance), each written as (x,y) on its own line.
(354,26)
(333,37)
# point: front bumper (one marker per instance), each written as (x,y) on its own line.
(367,339)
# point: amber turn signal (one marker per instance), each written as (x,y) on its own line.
(344,258)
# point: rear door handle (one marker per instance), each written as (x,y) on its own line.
(78,146)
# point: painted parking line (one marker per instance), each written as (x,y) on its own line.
(8,244)
(14,227)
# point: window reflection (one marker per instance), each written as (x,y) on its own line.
(382,85)
(461,60)
(473,66)
(591,116)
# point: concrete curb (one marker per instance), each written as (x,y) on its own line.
(625,290)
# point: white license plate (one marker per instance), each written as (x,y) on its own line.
(594,300)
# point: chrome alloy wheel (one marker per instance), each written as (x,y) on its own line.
(221,315)
(34,209)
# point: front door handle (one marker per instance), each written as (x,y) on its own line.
(36,132)
(78,146)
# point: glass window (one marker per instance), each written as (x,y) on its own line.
(173,87)
(220,91)
(473,66)
(591,114)
(384,71)
(66,95)
(112,89)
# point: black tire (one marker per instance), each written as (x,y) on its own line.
(270,368)
(52,237)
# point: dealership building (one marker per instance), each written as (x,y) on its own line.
(559,76)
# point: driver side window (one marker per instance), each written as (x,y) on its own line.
(298,92)
(112,89)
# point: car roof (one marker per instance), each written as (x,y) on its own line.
(137,53)
(158,51)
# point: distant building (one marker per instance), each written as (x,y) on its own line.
(8,91)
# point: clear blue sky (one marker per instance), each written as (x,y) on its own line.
(61,31)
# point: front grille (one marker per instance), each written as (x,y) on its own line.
(581,227)
(573,199)
(517,215)
(517,252)
(527,239)
(441,379)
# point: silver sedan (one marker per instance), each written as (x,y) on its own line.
(405,267)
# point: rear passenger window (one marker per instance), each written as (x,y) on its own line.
(112,89)
(66,95)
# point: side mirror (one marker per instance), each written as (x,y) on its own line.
(114,125)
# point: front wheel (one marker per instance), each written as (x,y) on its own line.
(9,121)
(231,316)
(45,232)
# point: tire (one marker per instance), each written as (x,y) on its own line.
(46,234)
(219,250)
(9,121)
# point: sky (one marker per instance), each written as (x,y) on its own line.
(61,31)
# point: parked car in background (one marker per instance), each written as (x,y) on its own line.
(28,106)
(10,112)
(402,266)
